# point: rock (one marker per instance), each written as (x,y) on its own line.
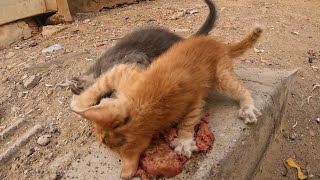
(10,55)
(173,17)
(293,136)
(318,120)
(13,32)
(52,48)
(30,152)
(258,50)
(180,14)
(44,140)
(31,82)
(5,79)
(86,21)
(33,44)
(53,176)
(193,11)
(53,130)
(52,29)
(55,19)
(20,94)
(295,33)
(312,133)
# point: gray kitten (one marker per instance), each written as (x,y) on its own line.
(140,47)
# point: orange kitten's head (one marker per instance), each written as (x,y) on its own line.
(107,117)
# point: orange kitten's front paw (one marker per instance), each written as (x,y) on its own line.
(249,114)
(184,146)
(128,170)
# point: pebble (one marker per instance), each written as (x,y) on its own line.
(10,55)
(33,44)
(86,21)
(312,133)
(295,33)
(293,136)
(258,50)
(193,11)
(180,14)
(44,140)
(53,176)
(31,82)
(30,152)
(53,130)
(5,79)
(318,120)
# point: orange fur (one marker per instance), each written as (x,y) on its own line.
(170,91)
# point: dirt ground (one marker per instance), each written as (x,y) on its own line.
(292,30)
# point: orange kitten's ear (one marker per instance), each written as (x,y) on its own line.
(94,113)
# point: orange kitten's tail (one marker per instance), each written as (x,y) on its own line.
(239,48)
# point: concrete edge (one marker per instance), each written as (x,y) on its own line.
(250,151)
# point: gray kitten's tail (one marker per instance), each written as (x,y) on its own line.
(210,21)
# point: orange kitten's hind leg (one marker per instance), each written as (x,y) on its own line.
(185,144)
(230,85)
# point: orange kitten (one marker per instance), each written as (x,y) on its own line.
(170,91)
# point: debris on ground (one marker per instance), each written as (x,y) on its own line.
(52,48)
(318,120)
(295,33)
(30,152)
(10,55)
(292,136)
(192,11)
(315,86)
(44,139)
(258,50)
(52,29)
(291,163)
(86,21)
(31,82)
(312,56)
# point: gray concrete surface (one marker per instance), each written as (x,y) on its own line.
(237,149)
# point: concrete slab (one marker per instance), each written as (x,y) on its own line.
(238,148)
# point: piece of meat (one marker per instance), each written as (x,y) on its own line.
(159,160)
(204,137)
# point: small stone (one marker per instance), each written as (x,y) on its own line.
(5,79)
(30,152)
(53,130)
(258,50)
(52,29)
(173,17)
(295,33)
(20,94)
(44,140)
(180,14)
(193,11)
(53,176)
(312,133)
(31,82)
(86,21)
(10,55)
(318,120)
(293,136)
(33,44)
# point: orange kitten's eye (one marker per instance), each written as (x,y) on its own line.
(126,120)
(117,124)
